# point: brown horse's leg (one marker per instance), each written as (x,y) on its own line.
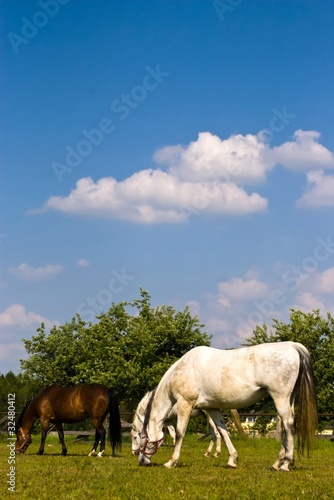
(96,443)
(43,438)
(100,434)
(61,438)
(103,440)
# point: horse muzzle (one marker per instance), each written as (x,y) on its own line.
(143,459)
(24,445)
(22,449)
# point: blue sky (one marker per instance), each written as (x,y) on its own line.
(182,146)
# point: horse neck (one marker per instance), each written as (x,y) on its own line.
(138,419)
(137,423)
(160,410)
(29,418)
(143,404)
(161,405)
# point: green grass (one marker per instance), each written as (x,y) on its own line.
(78,476)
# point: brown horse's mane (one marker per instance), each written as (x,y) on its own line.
(21,417)
(24,411)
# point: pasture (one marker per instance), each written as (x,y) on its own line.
(78,476)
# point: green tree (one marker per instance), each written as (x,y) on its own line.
(317,334)
(129,348)
(53,357)
(23,389)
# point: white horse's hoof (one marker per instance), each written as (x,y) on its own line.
(100,454)
(285,468)
(276,465)
(92,453)
(170,464)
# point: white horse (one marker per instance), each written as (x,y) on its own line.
(208,378)
(138,424)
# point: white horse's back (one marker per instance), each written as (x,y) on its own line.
(233,378)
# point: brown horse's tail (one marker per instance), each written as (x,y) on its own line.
(115,428)
(307,417)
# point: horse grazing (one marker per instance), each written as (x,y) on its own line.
(208,378)
(57,405)
(138,424)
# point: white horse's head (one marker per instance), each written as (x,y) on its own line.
(137,427)
(138,422)
(148,448)
(141,445)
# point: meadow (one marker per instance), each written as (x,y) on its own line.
(78,476)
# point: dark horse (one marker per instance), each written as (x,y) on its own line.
(57,405)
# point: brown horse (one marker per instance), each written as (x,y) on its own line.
(57,405)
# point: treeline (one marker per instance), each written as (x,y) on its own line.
(23,387)
(131,346)
(128,349)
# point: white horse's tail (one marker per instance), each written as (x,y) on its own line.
(307,417)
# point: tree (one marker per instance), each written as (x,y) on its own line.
(15,384)
(129,352)
(317,334)
(53,357)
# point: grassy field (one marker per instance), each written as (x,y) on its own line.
(78,476)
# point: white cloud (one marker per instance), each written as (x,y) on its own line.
(16,315)
(304,153)
(325,281)
(195,307)
(319,192)
(249,302)
(7,350)
(240,289)
(224,301)
(28,273)
(241,159)
(83,263)
(307,302)
(204,178)
(154,196)
(245,330)
(216,325)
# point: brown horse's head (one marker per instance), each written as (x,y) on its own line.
(23,440)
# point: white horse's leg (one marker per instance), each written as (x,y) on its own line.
(277,464)
(209,450)
(285,456)
(215,438)
(183,414)
(216,418)
(172,433)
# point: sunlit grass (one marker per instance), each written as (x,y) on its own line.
(78,476)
